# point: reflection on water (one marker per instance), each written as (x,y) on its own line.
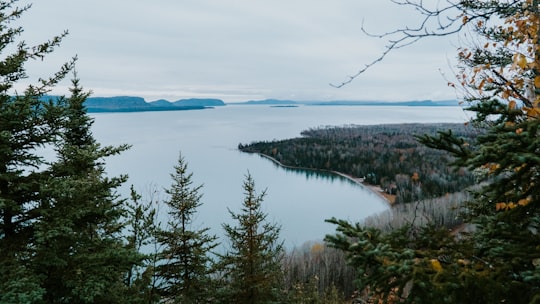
(299,200)
(315,174)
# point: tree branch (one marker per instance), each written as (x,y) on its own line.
(449,20)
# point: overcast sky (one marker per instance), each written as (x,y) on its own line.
(238,50)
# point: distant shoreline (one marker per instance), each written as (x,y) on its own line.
(156,109)
(359,181)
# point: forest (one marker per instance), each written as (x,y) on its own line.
(387,155)
(68,236)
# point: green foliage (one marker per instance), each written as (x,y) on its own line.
(414,265)
(500,260)
(251,268)
(79,250)
(27,125)
(141,228)
(184,268)
(60,219)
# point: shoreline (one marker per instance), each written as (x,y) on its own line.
(357,180)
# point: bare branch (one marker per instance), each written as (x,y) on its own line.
(508,83)
(449,20)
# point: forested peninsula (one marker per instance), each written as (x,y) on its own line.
(388,156)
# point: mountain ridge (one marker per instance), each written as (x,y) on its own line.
(426,102)
(139,104)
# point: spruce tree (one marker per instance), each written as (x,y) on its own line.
(27,125)
(80,252)
(142,225)
(184,267)
(251,267)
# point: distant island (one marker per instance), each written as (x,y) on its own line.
(138,104)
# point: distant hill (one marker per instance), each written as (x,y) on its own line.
(424,103)
(209,102)
(138,104)
(271,102)
(414,103)
(161,103)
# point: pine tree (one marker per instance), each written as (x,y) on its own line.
(27,125)
(185,265)
(251,268)
(80,252)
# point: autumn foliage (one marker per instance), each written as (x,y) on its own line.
(499,259)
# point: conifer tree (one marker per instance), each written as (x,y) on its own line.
(80,252)
(27,125)
(185,265)
(142,225)
(499,75)
(251,267)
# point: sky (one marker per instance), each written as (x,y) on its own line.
(237,50)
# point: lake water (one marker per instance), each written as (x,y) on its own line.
(208,140)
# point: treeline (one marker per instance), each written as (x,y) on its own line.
(67,236)
(385,155)
(183,264)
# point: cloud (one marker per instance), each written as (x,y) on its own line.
(235,49)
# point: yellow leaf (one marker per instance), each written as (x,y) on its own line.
(512,104)
(524,201)
(537,82)
(436,265)
(532,112)
(317,248)
(520,60)
(482,83)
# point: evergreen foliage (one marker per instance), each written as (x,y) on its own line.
(26,125)
(60,219)
(141,226)
(184,268)
(251,268)
(79,250)
(500,260)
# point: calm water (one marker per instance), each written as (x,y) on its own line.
(207,139)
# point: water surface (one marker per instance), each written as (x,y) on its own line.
(208,140)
